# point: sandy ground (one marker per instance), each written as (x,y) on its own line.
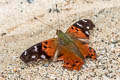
(19,30)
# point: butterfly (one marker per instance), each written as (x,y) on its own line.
(70,47)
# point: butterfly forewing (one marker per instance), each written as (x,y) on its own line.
(80,29)
(42,50)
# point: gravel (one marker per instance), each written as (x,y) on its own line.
(19,30)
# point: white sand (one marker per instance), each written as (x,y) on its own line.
(19,31)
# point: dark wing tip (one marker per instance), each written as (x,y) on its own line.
(85,25)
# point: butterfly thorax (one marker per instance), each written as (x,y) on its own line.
(63,37)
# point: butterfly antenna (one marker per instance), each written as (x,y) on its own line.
(58,16)
(44,22)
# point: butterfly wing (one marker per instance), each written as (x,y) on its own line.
(80,29)
(71,60)
(42,50)
(86,51)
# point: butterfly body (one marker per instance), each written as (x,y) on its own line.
(70,47)
(67,41)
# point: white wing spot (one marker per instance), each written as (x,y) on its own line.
(36,48)
(87,32)
(79,25)
(33,57)
(43,56)
(84,20)
(25,53)
(88,27)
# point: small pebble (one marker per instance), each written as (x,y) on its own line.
(119,70)
(30,1)
(50,10)
(15,70)
(105,41)
(119,55)
(3,34)
(46,64)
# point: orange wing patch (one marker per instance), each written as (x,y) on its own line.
(71,61)
(80,29)
(42,50)
(85,50)
(49,46)
(76,32)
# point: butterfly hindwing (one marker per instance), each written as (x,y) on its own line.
(80,29)
(42,50)
(85,49)
(71,61)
